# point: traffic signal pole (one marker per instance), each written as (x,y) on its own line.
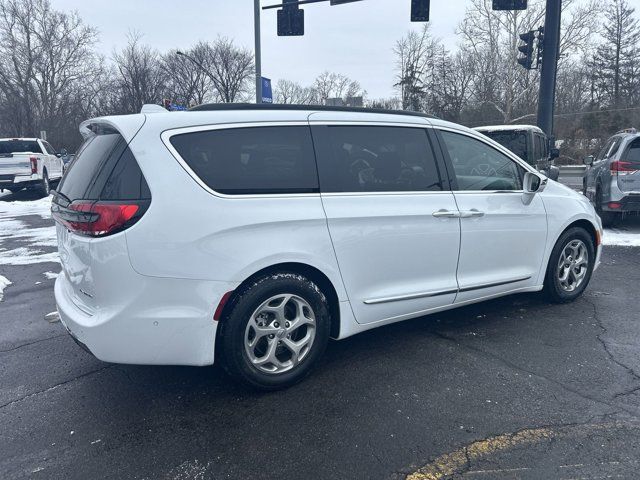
(548,75)
(258,52)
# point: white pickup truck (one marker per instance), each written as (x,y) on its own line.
(28,163)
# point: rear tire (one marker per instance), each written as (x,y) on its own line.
(44,188)
(274,331)
(609,219)
(570,266)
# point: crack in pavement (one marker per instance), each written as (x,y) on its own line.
(630,411)
(600,325)
(49,389)
(33,343)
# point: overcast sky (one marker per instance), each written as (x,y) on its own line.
(354,39)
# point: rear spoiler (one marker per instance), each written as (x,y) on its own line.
(125,125)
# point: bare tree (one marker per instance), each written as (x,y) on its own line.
(289,92)
(230,69)
(139,76)
(46,58)
(335,85)
(187,82)
(491,38)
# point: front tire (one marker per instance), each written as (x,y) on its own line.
(570,266)
(275,331)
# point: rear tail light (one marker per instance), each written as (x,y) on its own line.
(98,219)
(615,205)
(34,165)
(620,167)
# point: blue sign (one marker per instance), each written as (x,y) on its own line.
(267,93)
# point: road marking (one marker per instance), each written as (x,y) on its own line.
(456,462)
(451,463)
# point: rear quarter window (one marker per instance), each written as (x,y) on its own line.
(81,181)
(253,160)
(104,169)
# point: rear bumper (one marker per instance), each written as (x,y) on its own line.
(10,180)
(158,322)
(627,203)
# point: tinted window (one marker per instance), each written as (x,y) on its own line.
(83,179)
(376,159)
(614,148)
(539,148)
(126,182)
(478,166)
(516,141)
(260,160)
(19,146)
(633,154)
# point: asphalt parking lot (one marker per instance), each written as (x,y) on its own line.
(513,388)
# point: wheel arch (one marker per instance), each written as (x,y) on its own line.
(312,273)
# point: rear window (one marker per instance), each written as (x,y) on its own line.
(104,169)
(19,146)
(256,160)
(516,141)
(633,154)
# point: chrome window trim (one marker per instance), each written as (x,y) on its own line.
(167,134)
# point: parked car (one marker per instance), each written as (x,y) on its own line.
(528,142)
(28,163)
(612,178)
(252,234)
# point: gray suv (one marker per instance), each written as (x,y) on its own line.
(612,178)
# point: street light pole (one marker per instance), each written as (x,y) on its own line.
(258,52)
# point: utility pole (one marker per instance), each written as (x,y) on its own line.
(258,52)
(550,54)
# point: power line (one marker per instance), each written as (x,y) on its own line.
(597,111)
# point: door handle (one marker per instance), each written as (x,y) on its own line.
(442,213)
(473,213)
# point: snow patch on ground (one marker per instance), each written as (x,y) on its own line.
(51,275)
(624,238)
(4,283)
(32,240)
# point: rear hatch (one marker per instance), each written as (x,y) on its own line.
(627,169)
(16,158)
(102,193)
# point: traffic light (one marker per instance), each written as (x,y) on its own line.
(527,49)
(420,10)
(290,19)
(509,4)
(540,46)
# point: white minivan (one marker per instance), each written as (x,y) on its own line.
(250,235)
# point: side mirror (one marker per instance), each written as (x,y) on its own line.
(588,160)
(554,153)
(533,183)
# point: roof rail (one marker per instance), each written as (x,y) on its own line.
(322,108)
